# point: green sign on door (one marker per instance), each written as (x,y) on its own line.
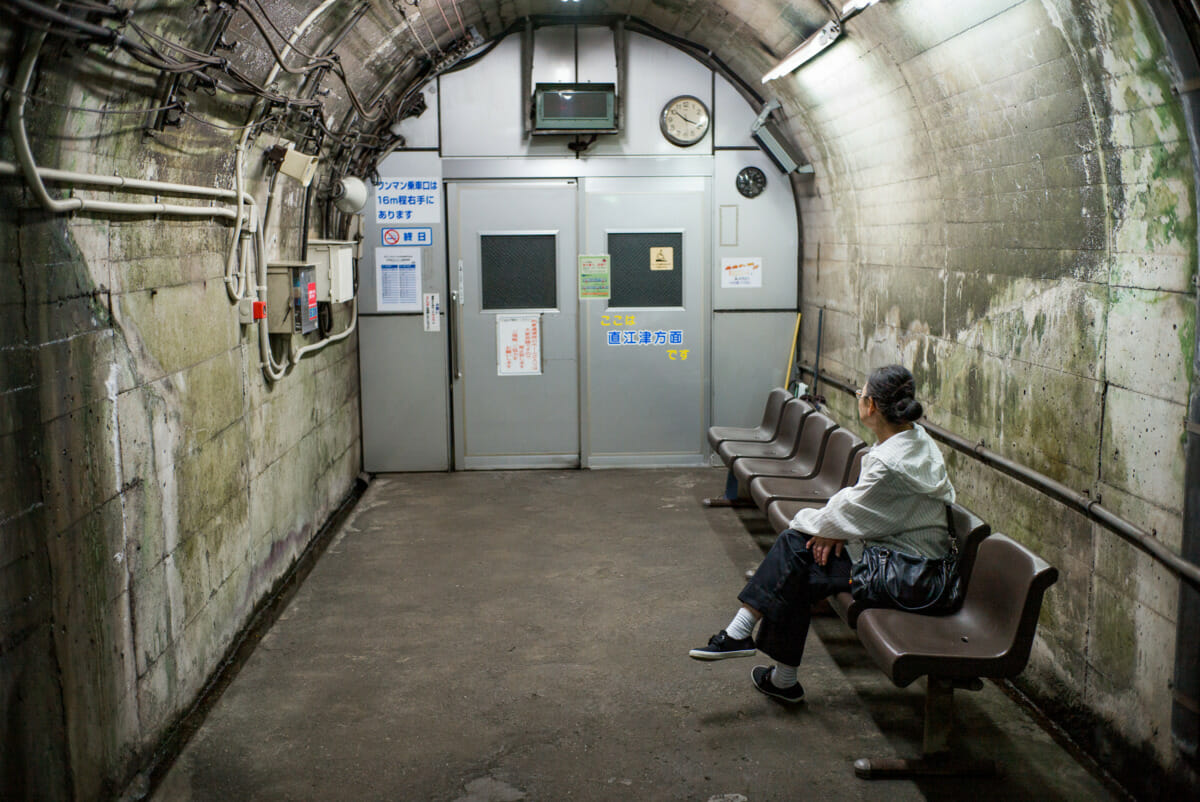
(595,277)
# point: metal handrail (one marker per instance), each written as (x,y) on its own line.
(1128,531)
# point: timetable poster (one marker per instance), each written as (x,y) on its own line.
(398,280)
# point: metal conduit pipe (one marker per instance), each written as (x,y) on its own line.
(34,174)
(317,346)
(137,185)
(272,370)
(1135,535)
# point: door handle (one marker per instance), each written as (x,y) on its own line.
(457,298)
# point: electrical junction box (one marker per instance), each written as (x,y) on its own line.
(334,260)
(299,166)
(291,297)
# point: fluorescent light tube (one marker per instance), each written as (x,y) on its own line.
(856,5)
(807,49)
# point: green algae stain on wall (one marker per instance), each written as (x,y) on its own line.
(1114,638)
(1160,193)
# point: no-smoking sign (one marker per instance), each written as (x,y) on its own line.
(407,236)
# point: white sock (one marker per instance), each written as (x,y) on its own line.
(783,676)
(742,625)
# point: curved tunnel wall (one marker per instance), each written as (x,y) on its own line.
(1007,207)
(1003,199)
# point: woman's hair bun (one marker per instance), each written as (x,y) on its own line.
(909,409)
(893,389)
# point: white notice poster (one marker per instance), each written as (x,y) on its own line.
(433,311)
(519,345)
(743,271)
(398,279)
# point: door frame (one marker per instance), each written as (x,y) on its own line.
(458,378)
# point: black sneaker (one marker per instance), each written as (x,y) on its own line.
(721,646)
(762,680)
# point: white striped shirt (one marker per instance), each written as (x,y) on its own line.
(899,501)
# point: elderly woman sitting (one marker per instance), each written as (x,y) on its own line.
(899,502)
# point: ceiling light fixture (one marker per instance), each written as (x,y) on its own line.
(854,6)
(810,47)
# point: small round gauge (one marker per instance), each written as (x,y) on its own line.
(684,120)
(751,181)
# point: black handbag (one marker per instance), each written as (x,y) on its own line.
(888,578)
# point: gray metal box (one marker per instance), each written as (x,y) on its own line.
(291,297)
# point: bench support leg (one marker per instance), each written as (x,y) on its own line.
(939,716)
(936,760)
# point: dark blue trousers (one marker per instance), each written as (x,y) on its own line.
(784,588)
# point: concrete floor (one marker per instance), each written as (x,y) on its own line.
(524,636)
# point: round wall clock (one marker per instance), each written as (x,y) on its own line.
(751,181)
(684,120)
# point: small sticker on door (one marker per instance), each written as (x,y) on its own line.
(662,258)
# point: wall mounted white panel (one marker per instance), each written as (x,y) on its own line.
(405,396)
(422,132)
(481,106)
(405,404)
(765,228)
(733,117)
(656,72)
(403,164)
(597,56)
(554,55)
(750,353)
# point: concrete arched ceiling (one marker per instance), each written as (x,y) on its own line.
(383,48)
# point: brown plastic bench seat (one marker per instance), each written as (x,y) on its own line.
(802,463)
(781,446)
(839,467)
(971,531)
(991,635)
(761,433)
(780,513)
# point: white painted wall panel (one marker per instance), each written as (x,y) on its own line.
(750,352)
(733,117)
(766,227)
(597,56)
(422,132)
(405,395)
(553,55)
(481,107)
(656,73)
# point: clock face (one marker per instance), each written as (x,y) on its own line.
(684,120)
(751,181)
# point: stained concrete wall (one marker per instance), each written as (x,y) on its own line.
(1004,202)
(155,486)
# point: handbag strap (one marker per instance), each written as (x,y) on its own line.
(951,529)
